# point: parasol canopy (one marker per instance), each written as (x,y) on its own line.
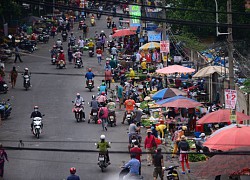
(224,128)
(123,32)
(230,138)
(179,101)
(167,93)
(175,69)
(225,164)
(206,71)
(150,45)
(222,115)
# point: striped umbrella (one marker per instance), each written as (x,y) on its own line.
(150,45)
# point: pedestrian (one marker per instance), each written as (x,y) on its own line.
(13,76)
(138,153)
(81,43)
(17,54)
(150,145)
(103,115)
(183,148)
(85,30)
(177,137)
(119,90)
(158,164)
(2,73)
(99,55)
(3,157)
(108,77)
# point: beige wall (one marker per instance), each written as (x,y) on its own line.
(242,101)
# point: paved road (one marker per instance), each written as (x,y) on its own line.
(53,92)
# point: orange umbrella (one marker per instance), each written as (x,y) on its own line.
(175,69)
(123,32)
(222,115)
(230,138)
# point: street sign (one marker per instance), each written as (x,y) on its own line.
(230,98)
(154,36)
(134,11)
(164,46)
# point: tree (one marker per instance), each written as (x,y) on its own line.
(9,10)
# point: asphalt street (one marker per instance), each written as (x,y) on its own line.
(53,90)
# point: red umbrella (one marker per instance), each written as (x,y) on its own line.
(123,32)
(225,164)
(182,103)
(175,69)
(229,138)
(222,115)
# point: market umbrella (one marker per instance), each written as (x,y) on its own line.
(207,71)
(222,115)
(229,138)
(225,164)
(175,69)
(123,32)
(224,128)
(31,19)
(150,45)
(167,93)
(180,102)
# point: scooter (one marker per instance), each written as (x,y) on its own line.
(172,172)
(5,109)
(37,126)
(102,160)
(64,36)
(108,25)
(91,52)
(3,87)
(26,82)
(78,110)
(112,118)
(90,85)
(94,116)
(78,63)
(129,116)
(53,59)
(61,64)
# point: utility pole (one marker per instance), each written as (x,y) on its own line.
(164,29)
(230,45)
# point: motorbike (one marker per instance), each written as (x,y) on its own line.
(109,25)
(78,63)
(132,139)
(80,26)
(37,126)
(112,118)
(135,96)
(129,116)
(44,37)
(102,160)
(6,49)
(26,82)
(125,171)
(90,85)
(94,116)
(27,45)
(3,87)
(64,36)
(91,52)
(53,59)
(172,172)
(5,109)
(61,64)
(78,110)
(92,21)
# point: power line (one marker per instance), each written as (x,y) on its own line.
(171,21)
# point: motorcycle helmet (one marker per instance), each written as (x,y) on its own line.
(61,51)
(110,100)
(99,121)
(35,107)
(103,93)
(90,69)
(93,97)
(102,31)
(54,46)
(26,69)
(102,137)
(78,95)
(72,170)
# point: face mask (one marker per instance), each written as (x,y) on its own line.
(78,97)
(36,110)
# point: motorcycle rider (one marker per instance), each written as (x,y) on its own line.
(90,76)
(59,43)
(94,104)
(109,20)
(72,175)
(72,39)
(91,45)
(26,73)
(129,104)
(111,107)
(64,32)
(79,100)
(77,55)
(134,167)
(34,114)
(61,56)
(53,51)
(103,87)
(103,148)
(102,99)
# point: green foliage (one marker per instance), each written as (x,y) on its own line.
(9,10)
(247,86)
(196,157)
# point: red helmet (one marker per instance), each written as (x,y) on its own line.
(103,93)
(72,170)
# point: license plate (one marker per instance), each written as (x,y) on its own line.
(129,115)
(101,158)
(94,114)
(111,118)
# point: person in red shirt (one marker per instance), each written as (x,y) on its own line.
(61,56)
(108,76)
(150,145)
(99,55)
(148,58)
(138,152)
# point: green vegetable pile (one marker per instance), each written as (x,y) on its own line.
(145,122)
(195,157)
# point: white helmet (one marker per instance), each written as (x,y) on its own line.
(102,137)
(26,69)
(78,94)
(102,31)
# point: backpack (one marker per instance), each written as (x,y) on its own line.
(101,113)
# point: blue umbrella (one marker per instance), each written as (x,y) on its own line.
(173,99)
(167,93)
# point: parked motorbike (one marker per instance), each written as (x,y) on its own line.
(37,126)
(3,87)
(112,118)
(78,110)
(26,82)
(102,160)
(78,63)
(94,116)
(172,172)
(44,37)
(61,64)
(5,109)
(27,45)
(53,59)
(6,49)
(90,85)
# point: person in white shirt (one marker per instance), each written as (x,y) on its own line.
(138,57)
(81,43)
